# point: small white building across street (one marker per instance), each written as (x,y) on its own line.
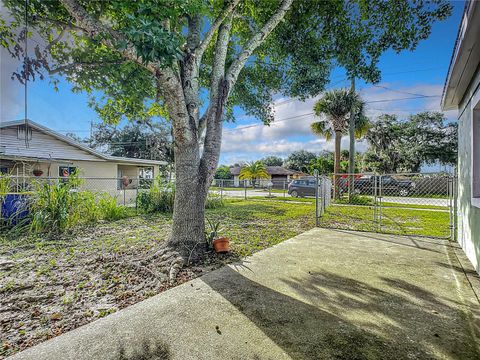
(30,150)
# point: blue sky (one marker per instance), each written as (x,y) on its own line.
(420,72)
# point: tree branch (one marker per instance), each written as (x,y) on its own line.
(57,39)
(95,28)
(256,41)
(194,28)
(218,70)
(80,65)
(215,26)
(62,24)
(168,79)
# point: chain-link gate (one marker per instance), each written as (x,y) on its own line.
(404,204)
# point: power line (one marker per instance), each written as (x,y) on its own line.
(301,115)
(295,99)
(399,91)
(312,113)
(415,70)
(400,99)
(273,123)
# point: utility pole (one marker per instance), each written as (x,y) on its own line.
(351,155)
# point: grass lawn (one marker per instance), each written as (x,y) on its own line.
(394,220)
(48,287)
(217,188)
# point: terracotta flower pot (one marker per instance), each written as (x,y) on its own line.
(221,245)
(37,172)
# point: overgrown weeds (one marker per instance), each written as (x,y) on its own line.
(161,196)
(52,207)
(110,210)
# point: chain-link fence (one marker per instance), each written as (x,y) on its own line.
(251,189)
(405,203)
(124,190)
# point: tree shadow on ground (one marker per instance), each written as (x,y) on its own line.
(147,350)
(412,241)
(342,318)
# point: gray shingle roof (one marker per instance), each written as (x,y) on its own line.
(271,170)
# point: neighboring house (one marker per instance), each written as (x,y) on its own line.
(277,176)
(37,151)
(462,92)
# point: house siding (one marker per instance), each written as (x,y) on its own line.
(468,216)
(41,145)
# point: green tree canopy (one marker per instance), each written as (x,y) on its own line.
(192,61)
(323,163)
(272,161)
(135,140)
(223,172)
(299,160)
(405,145)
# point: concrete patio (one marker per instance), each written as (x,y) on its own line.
(325,294)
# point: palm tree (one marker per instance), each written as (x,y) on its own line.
(336,107)
(253,171)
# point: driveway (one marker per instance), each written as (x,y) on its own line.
(325,294)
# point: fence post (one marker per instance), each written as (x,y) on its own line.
(455,204)
(380,186)
(375,200)
(245,187)
(327,191)
(136,196)
(221,189)
(284,188)
(317,221)
(451,205)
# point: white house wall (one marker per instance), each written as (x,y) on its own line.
(468,216)
(41,145)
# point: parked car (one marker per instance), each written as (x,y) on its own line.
(302,187)
(389,185)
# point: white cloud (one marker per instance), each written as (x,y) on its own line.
(11,99)
(253,141)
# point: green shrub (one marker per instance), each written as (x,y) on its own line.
(109,208)
(214,201)
(159,198)
(88,209)
(5,182)
(55,207)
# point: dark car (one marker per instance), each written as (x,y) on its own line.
(388,185)
(302,187)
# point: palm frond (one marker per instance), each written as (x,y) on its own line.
(362,125)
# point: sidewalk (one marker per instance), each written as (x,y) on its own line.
(325,294)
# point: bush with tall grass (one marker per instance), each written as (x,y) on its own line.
(55,206)
(214,201)
(159,198)
(109,208)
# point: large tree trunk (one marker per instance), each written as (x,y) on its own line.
(336,169)
(188,230)
(351,155)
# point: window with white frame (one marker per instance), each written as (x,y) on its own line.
(476,153)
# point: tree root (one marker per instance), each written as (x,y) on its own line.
(165,260)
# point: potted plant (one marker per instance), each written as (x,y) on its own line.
(37,171)
(220,244)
